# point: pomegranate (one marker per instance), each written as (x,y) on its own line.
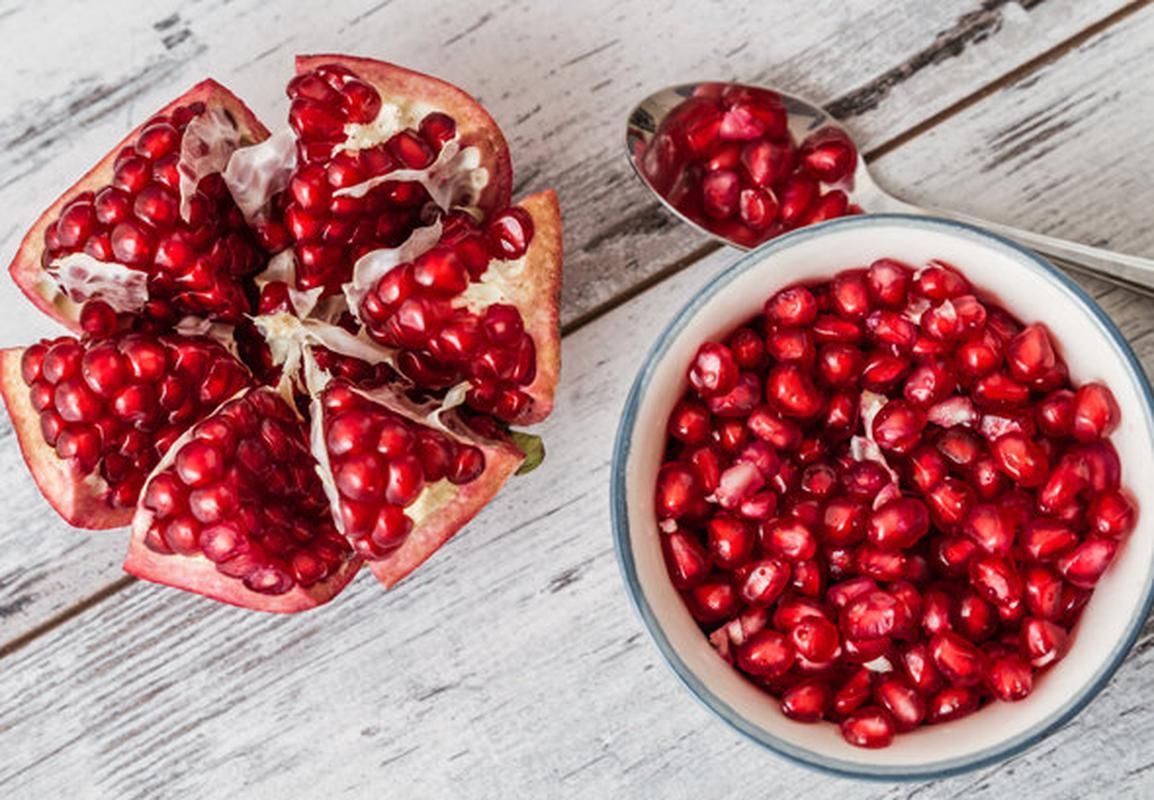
(299,353)
(725,158)
(895,479)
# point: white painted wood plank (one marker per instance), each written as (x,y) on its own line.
(560,82)
(560,79)
(512,665)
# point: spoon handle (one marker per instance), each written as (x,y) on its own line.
(1132,272)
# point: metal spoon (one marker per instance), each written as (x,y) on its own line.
(1125,270)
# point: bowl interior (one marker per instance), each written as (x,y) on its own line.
(1030,289)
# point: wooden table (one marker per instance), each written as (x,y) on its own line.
(512,664)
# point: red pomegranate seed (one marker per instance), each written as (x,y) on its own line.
(766,654)
(898,524)
(1009,677)
(1021,458)
(731,541)
(1043,592)
(761,583)
(806,701)
(956,658)
(889,282)
(919,669)
(1110,514)
(677,490)
(1095,412)
(905,705)
(1055,413)
(936,612)
(713,600)
(790,538)
(815,638)
(714,371)
(952,702)
(685,558)
(849,292)
(869,727)
(1043,642)
(898,427)
(1030,354)
(996,580)
(1086,563)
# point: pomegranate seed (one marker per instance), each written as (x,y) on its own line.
(869,727)
(761,583)
(766,654)
(686,559)
(713,600)
(956,658)
(1043,642)
(902,701)
(1055,413)
(1086,563)
(806,701)
(677,490)
(793,307)
(952,702)
(1110,514)
(1095,412)
(789,538)
(731,541)
(899,524)
(898,426)
(815,638)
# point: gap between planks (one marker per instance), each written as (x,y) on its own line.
(888,146)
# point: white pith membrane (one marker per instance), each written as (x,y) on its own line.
(82,278)
(209,140)
(207,144)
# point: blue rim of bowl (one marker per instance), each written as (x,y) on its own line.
(620,517)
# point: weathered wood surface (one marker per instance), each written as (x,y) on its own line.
(512,664)
(562,100)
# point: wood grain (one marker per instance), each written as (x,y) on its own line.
(560,83)
(512,665)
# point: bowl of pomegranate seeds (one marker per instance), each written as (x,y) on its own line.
(877,497)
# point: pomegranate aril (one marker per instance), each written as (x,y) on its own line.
(806,701)
(956,658)
(713,600)
(868,727)
(1042,642)
(1110,514)
(714,371)
(952,702)
(1095,412)
(1084,565)
(731,541)
(685,559)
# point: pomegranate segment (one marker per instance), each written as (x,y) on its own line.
(479,307)
(900,479)
(371,249)
(152,228)
(401,488)
(94,416)
(236,513)
(725,158)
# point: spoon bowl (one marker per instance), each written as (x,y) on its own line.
(804,118)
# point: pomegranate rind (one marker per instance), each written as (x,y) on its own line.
(79,499)
(475,128)
(25,267)
(442,521)
(537,293)
(199,575)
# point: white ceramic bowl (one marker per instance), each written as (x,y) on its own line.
(1029,287)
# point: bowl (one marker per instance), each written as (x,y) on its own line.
(1029,287)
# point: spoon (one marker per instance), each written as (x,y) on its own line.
(804,117)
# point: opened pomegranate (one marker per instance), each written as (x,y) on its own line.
(901,482)
(298,352)
(726,159)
